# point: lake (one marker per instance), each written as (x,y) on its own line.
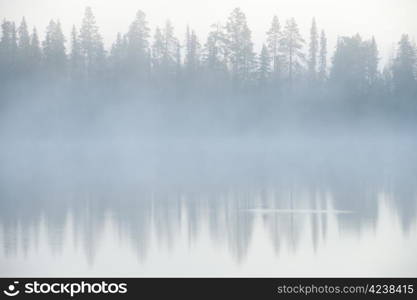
(306,207)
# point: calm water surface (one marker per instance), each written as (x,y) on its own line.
(271,211)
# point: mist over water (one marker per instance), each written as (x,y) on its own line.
(164,157)
(214,206)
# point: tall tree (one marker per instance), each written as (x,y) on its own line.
(165,52)
(264,66)
(372,60)
(157,50)
(192,53)
(215,53)
(274,36)
(170,46)
(349,69)
(240,46)
(76,58)
(404,77)
(23,40)
(35,52)
(138,47)
(8,50)
(291,45)
(178,60)
(117,58)
(54,50)
(313,51)
(323,57)
(91,42)
(8,40)
(215,59)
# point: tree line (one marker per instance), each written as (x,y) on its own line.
(225,63)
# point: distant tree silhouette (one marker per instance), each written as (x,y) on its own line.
(76,57)
(404,77)
(158,52)
(274,36)
(223,67)
(215,51)
(24,63)
(240,48)
(264,67)
(349,70)
(323,57)
(313,51)
(92,47)
(54,52)
(137,51)
(8,50)
(192,53)
(291,45)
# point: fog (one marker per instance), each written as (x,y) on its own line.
(202,145)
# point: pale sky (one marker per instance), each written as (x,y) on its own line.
(386,19)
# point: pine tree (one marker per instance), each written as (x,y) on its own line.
(165,50)
(35,52)
(178,60)
(240,47)
(117,58)
(170,46)
(157,51)
(8,50)
(313,49)
(349,69)
(404,65)
(274,36)
(372,60)
(8,42)
(76,58)
(291,45)
(323,57)
(264,66)
(92,47)
(54,50)
(23,40)
(138,47)
(215,58)
(192,53)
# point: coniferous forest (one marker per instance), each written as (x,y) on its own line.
(165,82)
(162,151)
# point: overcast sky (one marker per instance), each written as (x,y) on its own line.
(386,19)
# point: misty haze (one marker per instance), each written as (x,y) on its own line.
(169,153)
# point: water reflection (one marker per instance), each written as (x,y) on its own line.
(229,199)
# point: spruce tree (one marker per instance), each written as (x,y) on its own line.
(404,77)
(372,60)
(215,58)
(76,58)
(264,66)
(35,52)
(157,51)
(323,57)
(313,51)
(291,45)
(138,47)
(23,40)
(240,48)
(192,53)
(274,36)
(54,50)
(92,47)
(8,50)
